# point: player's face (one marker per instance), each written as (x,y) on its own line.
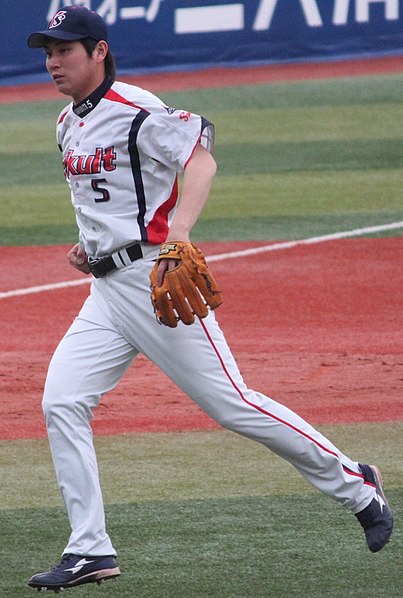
(74,72)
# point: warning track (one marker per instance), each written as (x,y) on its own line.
(225,77)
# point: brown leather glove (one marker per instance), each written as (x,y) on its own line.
(187,290)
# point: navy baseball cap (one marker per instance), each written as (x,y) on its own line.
(71,23)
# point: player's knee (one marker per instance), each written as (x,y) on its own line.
(52,405)
(53,395)
(64,394)
(228,424)
(233,423)
(60,402)
(65,409)
(226,421)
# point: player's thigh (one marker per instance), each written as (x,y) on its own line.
(88,362)
(198,359)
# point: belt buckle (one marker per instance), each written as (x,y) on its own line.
(97,267)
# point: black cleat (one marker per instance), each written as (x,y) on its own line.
(74,570)
(377,517)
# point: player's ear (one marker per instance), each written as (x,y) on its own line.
(100,51)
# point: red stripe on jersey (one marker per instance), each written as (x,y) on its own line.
(157,230)
(257,407)
(62,117)
(116,97)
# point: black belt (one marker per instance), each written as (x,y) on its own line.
(103,265)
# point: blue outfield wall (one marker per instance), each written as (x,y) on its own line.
(149,35)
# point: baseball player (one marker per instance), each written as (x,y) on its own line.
(123,150)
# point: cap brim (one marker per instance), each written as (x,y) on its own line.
(39,39)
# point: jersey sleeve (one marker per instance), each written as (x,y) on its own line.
(171,139)
(207,135)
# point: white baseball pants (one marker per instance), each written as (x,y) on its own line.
(116,323)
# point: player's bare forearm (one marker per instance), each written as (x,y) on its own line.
(196,185)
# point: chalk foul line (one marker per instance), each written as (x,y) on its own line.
(356,232)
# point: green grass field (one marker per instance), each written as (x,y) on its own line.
(209,514)
(294,160)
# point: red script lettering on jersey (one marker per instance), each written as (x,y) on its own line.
(89,163)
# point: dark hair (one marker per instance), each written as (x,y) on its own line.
(110,65)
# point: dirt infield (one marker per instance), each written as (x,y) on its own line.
(324,337)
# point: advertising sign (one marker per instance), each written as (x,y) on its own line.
(146,35)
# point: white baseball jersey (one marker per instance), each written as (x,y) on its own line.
(122,152)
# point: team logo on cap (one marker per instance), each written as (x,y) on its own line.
(57,19)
